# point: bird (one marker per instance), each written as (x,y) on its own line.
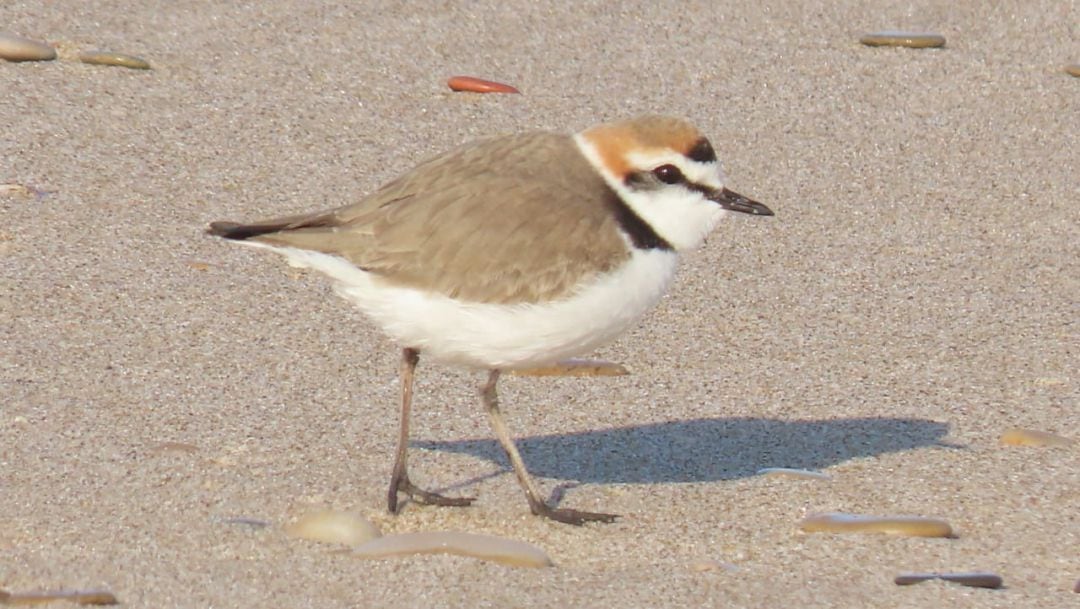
(513,252)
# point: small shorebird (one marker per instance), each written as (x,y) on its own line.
(514,252)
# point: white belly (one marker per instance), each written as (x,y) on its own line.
(501,336)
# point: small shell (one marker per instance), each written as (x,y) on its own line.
(909,526)
(333,526)
(108,58)
(478,85)
(17,48)
(1073,69)
(486,547)
(915,40)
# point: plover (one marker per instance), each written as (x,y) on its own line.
(514,252)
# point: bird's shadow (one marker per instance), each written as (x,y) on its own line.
(703,450)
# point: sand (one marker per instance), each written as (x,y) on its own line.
(915,295)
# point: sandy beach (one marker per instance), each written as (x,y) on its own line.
(168,402)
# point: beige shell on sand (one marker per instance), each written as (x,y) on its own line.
(486,547)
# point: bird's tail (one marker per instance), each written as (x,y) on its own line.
(241,232)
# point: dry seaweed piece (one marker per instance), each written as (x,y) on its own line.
(974,579)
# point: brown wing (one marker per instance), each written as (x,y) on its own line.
(508,220)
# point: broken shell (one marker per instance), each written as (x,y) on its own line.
(17,48)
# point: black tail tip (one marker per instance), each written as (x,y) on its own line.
(233,230)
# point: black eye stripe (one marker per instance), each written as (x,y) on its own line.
(705,190)
(647,180)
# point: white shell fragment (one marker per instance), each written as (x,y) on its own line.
(485,547)
(17,48)
(333,526)
(787,472)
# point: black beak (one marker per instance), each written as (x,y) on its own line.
(735,202)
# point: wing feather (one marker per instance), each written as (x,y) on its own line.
(509,220)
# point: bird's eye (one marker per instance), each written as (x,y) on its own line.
(668,174)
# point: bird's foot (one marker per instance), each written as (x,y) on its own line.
(423,497)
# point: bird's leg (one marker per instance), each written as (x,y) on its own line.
(399,480)
(536,501)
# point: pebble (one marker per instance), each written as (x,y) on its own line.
(17,48)
(1073,69)
(1030,437)
(108,58)
(915,40)
(334,526)
(787,472)
(485,547)
(975,579)
(910,526)
(576,367)
(79,597)
(479,85)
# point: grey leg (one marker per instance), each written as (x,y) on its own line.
(399,479)
(532,494)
